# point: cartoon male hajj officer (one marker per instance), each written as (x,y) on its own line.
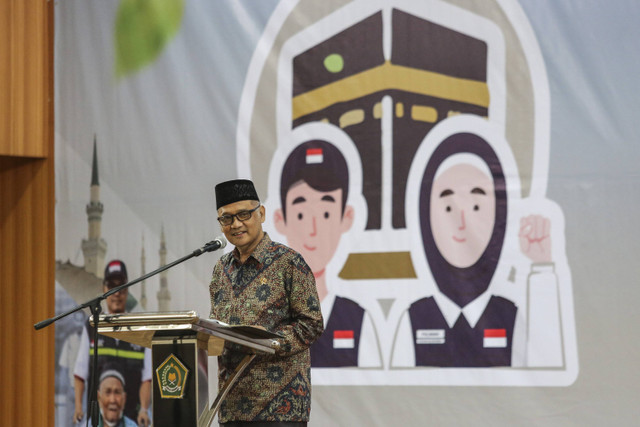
(314,215)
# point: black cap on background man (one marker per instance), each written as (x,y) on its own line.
(114,272)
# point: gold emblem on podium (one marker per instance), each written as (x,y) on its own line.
(172,378)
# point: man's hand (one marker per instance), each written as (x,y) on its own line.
(78,391)
(145,400)
(143,418)
(535,238)
(77,415)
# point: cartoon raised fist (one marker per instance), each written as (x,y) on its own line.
(535,238)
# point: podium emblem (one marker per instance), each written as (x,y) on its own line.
(172,378)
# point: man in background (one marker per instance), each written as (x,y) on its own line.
(112,399)
(133,361)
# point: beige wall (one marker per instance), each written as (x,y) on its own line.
(27,266)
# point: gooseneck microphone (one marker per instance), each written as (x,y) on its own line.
(218,243)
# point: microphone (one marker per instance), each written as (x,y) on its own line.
(217,243)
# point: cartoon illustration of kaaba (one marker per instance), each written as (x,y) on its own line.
(386,79)
(433,73)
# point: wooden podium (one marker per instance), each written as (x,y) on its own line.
(174,339)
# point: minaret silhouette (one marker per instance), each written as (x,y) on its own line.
(164,296)
(94,248)
(143,290)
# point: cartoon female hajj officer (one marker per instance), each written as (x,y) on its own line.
(462,208)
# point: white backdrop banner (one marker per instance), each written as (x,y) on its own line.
(437,163)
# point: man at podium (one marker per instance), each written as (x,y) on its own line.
(268,284)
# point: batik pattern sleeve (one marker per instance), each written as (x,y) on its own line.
(213,287)
(306,323)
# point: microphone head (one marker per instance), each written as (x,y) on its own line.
(221,240)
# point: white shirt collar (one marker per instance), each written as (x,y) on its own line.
(326,306)
(472,311)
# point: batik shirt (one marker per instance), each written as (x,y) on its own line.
(274,288)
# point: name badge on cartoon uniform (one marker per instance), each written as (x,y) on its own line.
(495,338)
(430,336)
(343,339)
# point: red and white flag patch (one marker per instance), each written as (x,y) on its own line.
(495,338)
(314,156)
(343,339)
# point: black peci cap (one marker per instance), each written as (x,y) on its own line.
(235,190)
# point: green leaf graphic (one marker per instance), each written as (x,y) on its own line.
(143,28)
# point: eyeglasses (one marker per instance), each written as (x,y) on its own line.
(225,220)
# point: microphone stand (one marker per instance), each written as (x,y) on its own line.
(95,307)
